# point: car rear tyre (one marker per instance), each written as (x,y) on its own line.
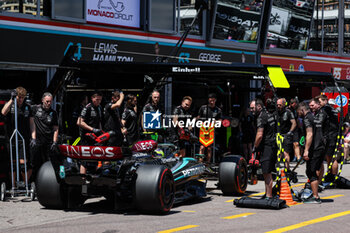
(49,191)
(233,175)
(154,189)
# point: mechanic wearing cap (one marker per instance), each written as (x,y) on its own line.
(25,126)
(309,155)
(285,126)
(265,139)
(129,120)
(90,121)
(331,133)
(112,119)
(206,112)
(181,114)
(45,135)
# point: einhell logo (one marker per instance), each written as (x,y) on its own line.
(186,70)
(91,152)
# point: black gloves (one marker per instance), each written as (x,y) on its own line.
(96,131)
(13,94)
(32,143)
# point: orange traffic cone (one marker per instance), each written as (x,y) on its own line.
(285,193)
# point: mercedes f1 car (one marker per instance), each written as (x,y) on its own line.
(148,177)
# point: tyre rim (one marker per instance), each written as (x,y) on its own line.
(168,191)
(32,191)
(243,176)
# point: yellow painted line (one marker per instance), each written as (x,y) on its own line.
(238,216)
(334,196)
(179,229)
(188,211)
(310,222)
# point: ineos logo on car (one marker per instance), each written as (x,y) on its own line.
(91,152)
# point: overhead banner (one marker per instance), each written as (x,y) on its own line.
(114,12)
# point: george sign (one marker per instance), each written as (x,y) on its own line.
(115,12)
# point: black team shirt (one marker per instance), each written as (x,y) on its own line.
(44,121)
(92,116)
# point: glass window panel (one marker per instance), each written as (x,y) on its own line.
(237,20)
(325,34)
(347,26)
(69,8)
(289,24)
(187,13)
(19,6)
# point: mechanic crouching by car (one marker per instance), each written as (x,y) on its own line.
(90,123)
(45,135)
(265,140)
(112,119)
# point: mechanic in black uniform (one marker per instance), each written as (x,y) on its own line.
(113,120)
(331,133)
(129,120)
(206,112)
(181,114)
(25,126)
(265,139)
(45,135)
(152,106)
(286,125)
(308,154)
(293,106)
(319,145)
(90,121)
(84,100)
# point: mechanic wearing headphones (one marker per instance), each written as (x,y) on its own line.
(265,140)
(46,132)
(25,124)
(112,119)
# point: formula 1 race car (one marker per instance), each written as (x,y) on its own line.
(149,177)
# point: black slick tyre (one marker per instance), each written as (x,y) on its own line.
(233,175)
(154,189)
(49,191)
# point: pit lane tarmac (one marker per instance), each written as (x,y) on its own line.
(214,213)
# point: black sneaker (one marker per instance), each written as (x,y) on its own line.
(312,200)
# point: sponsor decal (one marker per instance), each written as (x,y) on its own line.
(143,146)
(184,58)
(337,72)
(193,171)
(115,12)
(91,152)
(108,52)
(186,70)
(343,101)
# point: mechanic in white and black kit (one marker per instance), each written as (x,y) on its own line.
(265,140)
(286,124)
(129,120)
(113,120)
(332,130)
(181,114)
(25,124)
(45,135)
(90,121)
(209,111)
